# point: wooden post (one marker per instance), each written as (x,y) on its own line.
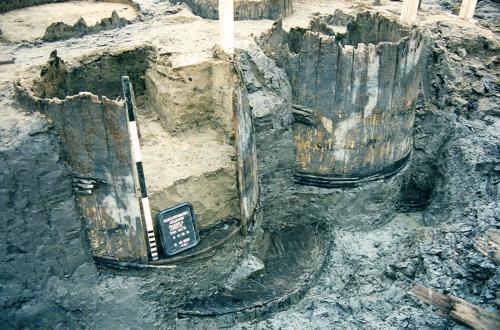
(489,245)
(226,21)
(458,309)
(467,9)
(409,11)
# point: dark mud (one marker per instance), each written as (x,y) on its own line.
(419,226)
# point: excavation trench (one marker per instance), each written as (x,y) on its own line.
(288,153)
(185,118)
(197,142)
(298,155)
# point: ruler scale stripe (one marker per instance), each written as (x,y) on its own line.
(137,157)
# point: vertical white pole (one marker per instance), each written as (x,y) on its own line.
(226,22)
(467,9)
(409,11)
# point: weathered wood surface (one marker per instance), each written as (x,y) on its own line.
(95,138)
(458,309)
(361,95)
(409,11)
(489,245)
(467,9)
(248,184)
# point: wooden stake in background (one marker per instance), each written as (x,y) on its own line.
(226,21)
(467,9)
(476,317)
(409,11)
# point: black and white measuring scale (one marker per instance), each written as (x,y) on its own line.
(176,225)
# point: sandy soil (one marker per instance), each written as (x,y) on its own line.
(168,158)
(29,24)
(196,166)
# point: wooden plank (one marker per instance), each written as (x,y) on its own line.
(92,133)
(71,123)
(409,11)
(361,93)
(327,67)
(489,245)
(399,87)
(343,82)
(467,9)
(95,138)
(129,233)
(65,120)
(248,184)
(309,57)
(458,309)
(386,56)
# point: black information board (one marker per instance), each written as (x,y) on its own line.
(177,229)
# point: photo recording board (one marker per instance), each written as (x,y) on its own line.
(177,228)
